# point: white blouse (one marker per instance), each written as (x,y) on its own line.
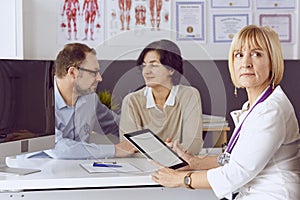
(265,162)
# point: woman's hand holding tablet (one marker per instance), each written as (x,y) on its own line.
(154,148)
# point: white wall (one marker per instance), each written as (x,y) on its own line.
(40,36)
(11,35)
(40,22)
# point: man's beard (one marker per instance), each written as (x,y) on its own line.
(78,91)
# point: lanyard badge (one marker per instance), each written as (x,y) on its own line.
(223,158)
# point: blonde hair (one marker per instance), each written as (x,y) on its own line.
(264,38)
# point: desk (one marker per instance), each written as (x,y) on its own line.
(65,179)
(223,134)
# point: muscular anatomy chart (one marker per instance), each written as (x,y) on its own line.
(140,15)
(89,10)
(126,15)
(155,10)
(71,9)
(125,6)
(81,21)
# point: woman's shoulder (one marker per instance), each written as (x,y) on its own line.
(135,95)
(187,90)
(278,98)
(278,101)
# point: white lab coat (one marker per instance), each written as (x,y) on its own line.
(265,162)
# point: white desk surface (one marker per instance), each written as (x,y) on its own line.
(66,179)
(69,174)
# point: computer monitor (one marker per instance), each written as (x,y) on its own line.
(26,108)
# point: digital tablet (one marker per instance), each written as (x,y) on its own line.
(154,148)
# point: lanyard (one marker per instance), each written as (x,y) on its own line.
(236,135)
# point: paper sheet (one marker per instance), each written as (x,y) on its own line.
(126,168)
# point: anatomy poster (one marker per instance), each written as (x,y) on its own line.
(140,17)
(81,21)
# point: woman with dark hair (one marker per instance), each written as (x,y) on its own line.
(170,110)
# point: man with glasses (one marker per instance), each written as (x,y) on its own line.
(78,111)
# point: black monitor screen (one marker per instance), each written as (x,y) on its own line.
(26,99)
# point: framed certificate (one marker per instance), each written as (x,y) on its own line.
(226,26)
(275,4)
(230,3)
(281,23)
(190,21)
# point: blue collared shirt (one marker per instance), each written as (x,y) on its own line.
(74,124)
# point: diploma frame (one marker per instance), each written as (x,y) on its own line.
(230,4)
(180,31)
(225,35)
(275,4)
(284,30)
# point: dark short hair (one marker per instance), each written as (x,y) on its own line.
(73,54)
(170,55)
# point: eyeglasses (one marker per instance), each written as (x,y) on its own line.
(95,72)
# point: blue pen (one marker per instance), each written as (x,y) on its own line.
(105,165)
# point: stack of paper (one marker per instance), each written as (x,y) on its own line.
(213,121)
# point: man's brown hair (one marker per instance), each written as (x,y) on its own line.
(72,55)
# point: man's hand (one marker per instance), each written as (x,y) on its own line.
(124,149)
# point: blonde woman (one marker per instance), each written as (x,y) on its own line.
(262,158)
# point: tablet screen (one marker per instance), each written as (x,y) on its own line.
(154,148)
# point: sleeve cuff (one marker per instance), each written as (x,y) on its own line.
(213,177)
(107,150)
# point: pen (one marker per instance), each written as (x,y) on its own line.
(106,162)
(105,165)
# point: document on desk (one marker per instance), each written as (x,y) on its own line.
(110,168)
